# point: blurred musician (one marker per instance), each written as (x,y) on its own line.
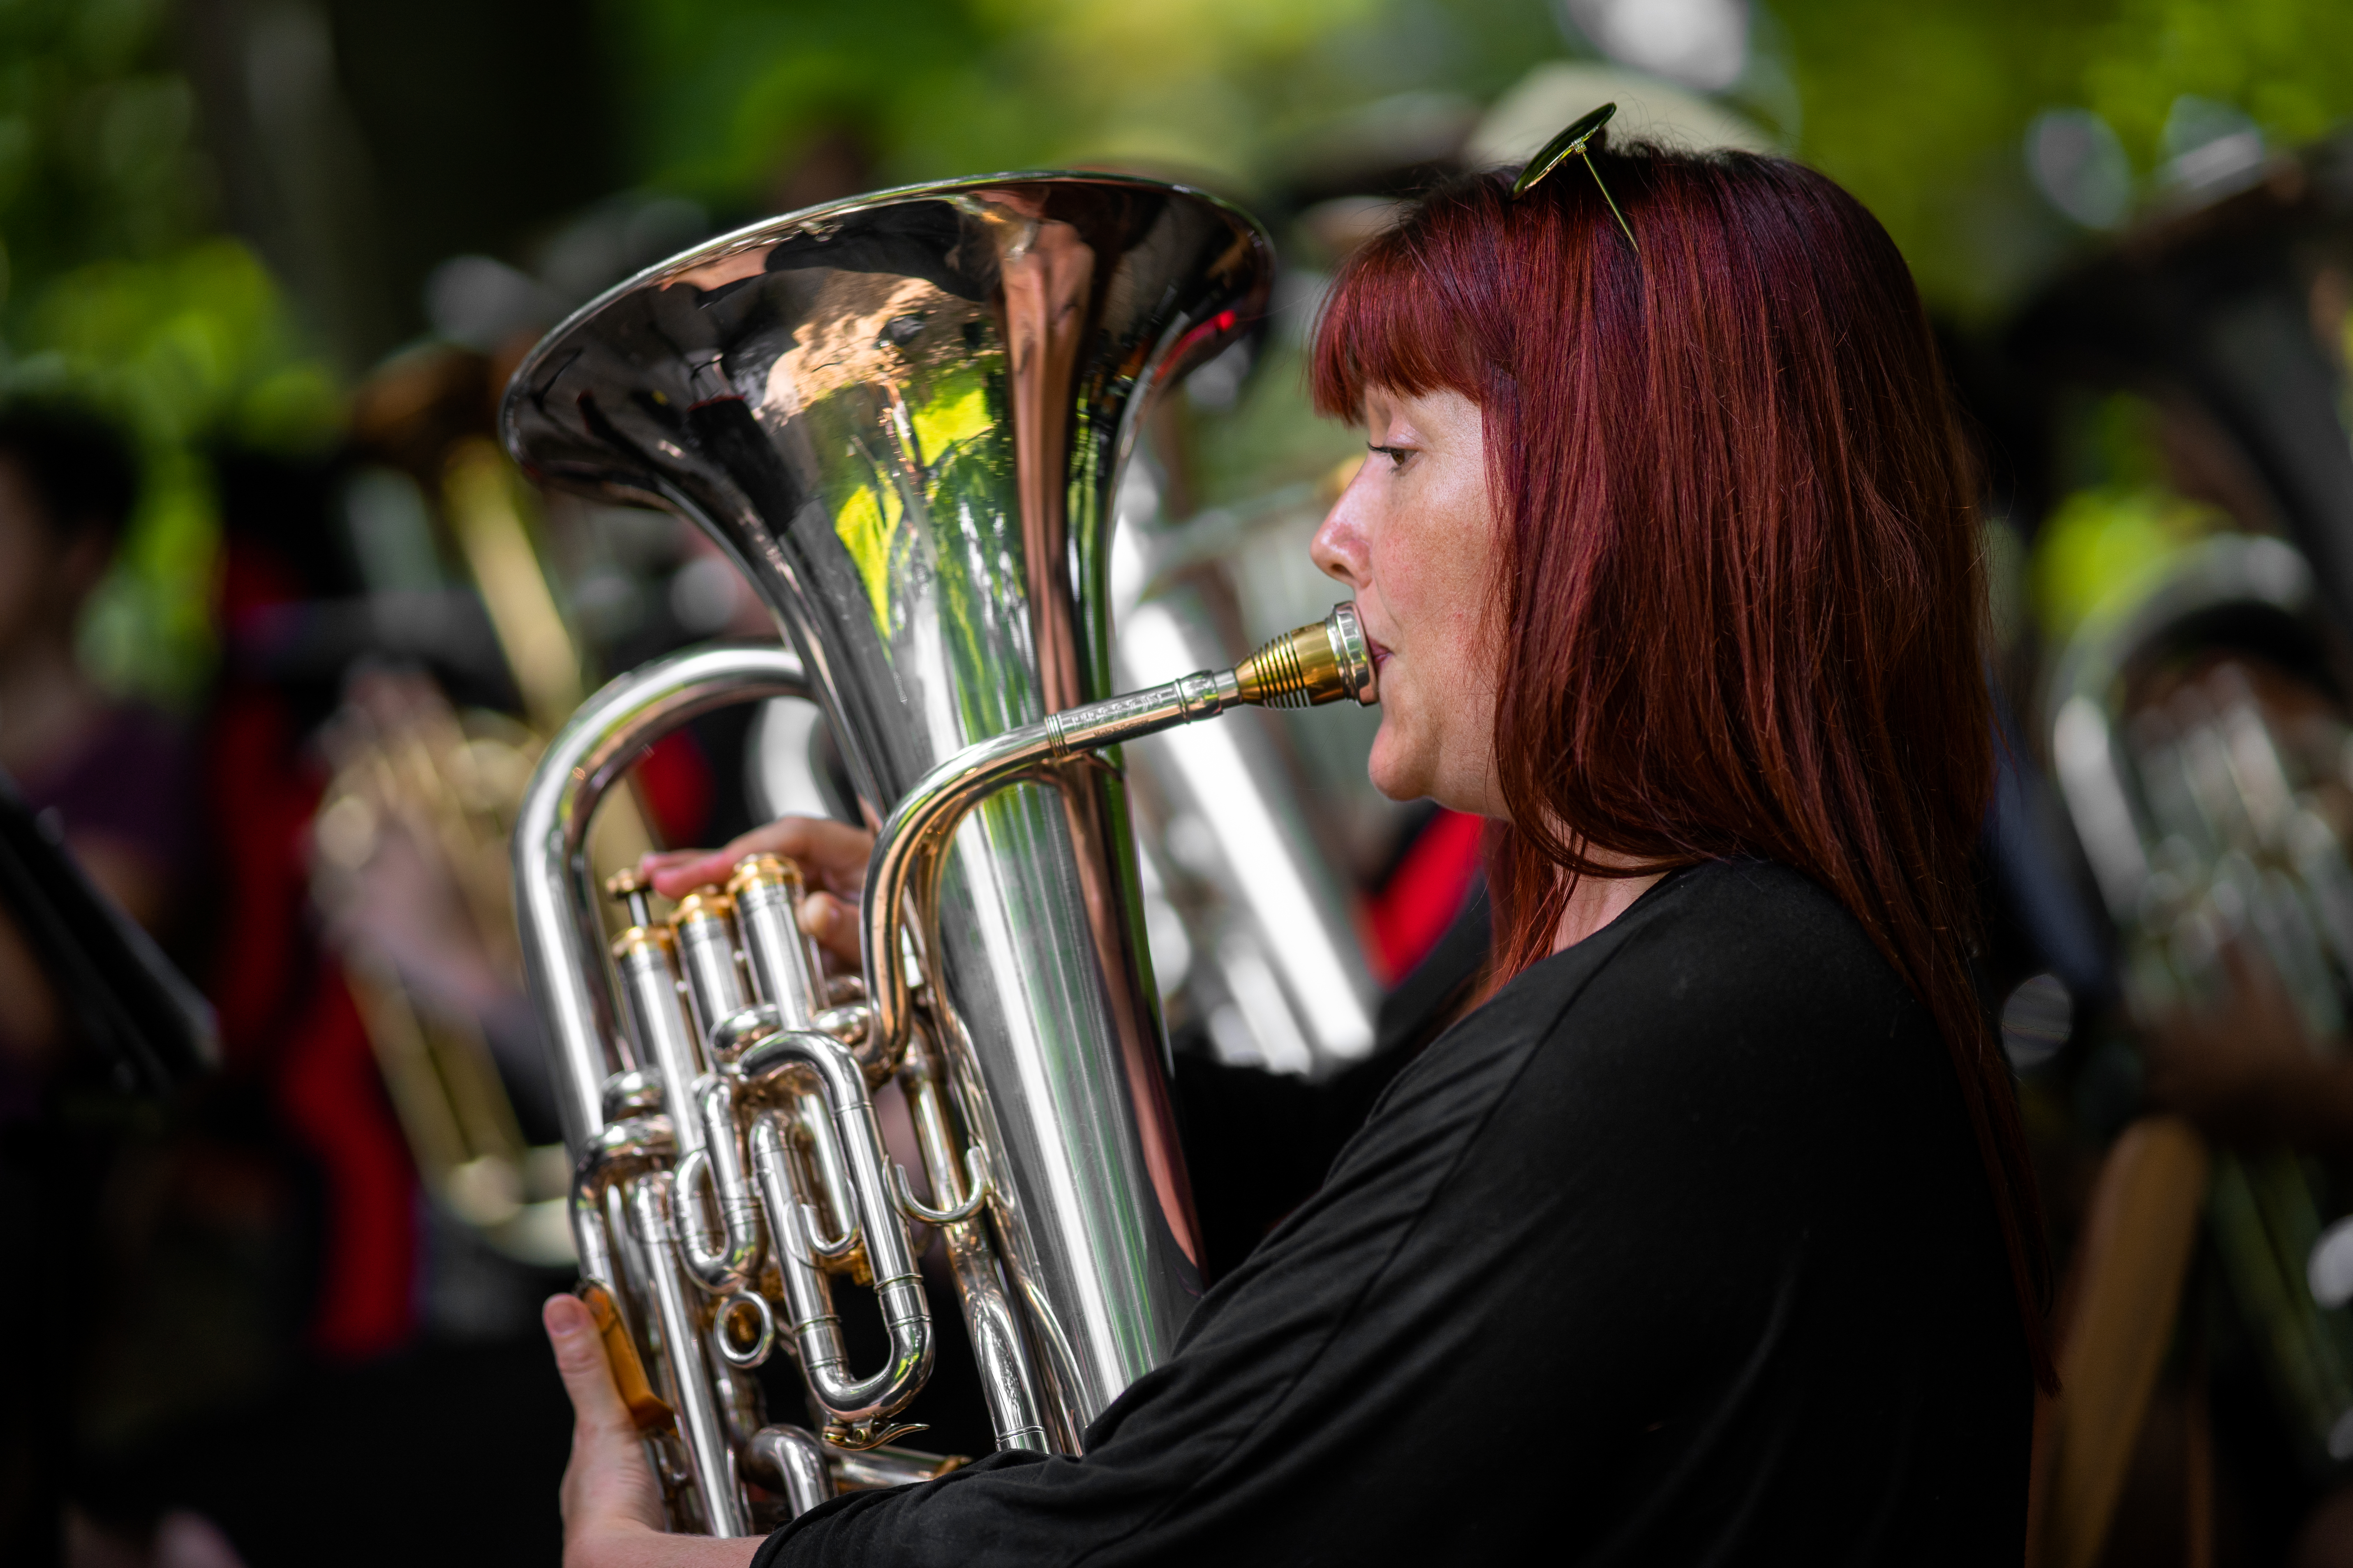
(113,771)
(1711,1226)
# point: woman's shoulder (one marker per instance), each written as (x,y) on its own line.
(1731,991)
(1731,933)
(1740,979)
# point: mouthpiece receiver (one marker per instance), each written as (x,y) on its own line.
(1312,665)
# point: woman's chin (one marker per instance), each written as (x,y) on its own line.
(1397,777)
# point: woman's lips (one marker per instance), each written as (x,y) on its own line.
(1380,653)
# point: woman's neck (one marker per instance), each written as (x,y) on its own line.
(1595,902)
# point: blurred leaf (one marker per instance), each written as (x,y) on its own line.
(2100,545)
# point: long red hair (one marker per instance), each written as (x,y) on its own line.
(1742,605)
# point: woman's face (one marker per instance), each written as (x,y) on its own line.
(1413,536)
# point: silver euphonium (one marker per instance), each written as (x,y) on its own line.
(903,417)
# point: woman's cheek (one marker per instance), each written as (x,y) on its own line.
(1396,766)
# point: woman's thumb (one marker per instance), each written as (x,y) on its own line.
(580,1361)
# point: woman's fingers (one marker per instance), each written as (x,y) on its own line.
(834,923)
(832,856)
(679,872)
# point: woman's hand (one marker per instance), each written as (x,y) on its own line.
(832,857)
(612,1509)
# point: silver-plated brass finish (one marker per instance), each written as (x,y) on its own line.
(658,1026)
(1010,1381)
(852,1401)
(728,1262)
(556,899)
(785,969)
(690,1390)
(706,952)
(792,1462)
(903,417)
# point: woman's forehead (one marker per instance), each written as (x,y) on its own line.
(1438,405)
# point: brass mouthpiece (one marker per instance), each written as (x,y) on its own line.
(1313,665)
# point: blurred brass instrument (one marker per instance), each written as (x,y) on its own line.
(2200,742)
(903,417)
(408,873)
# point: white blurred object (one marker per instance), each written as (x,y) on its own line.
(1256,1028)
(705,594)
(783,750)
(2209,147)
(1298,977)
(481,301)
(2037,1019)
(1165,935)
(1702,44)
(2329,1270)
(391,528)
(2080,167)
(1533,111)
(616,237)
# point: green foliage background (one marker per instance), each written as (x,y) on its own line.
(1919,108)
(115,280)
(116,290)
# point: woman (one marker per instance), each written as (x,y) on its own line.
(1708,1235)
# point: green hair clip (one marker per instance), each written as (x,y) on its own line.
(1570,143)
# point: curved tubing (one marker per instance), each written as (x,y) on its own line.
(1008,1382)
(730,1039)
(790,1459)
(907,851)
(620,1149)
(832,1174)
(1315,663)
(888,1252)
(723,1264)
(557,901)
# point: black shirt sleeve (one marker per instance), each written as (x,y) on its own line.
(1678,1250)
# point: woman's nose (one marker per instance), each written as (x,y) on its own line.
(1338,548)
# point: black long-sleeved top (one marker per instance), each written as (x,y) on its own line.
(1678,1250)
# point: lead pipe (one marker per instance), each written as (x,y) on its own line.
(1320,663)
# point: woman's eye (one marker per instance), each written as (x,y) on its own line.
(1395,454)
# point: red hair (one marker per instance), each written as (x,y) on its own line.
(1742,605)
